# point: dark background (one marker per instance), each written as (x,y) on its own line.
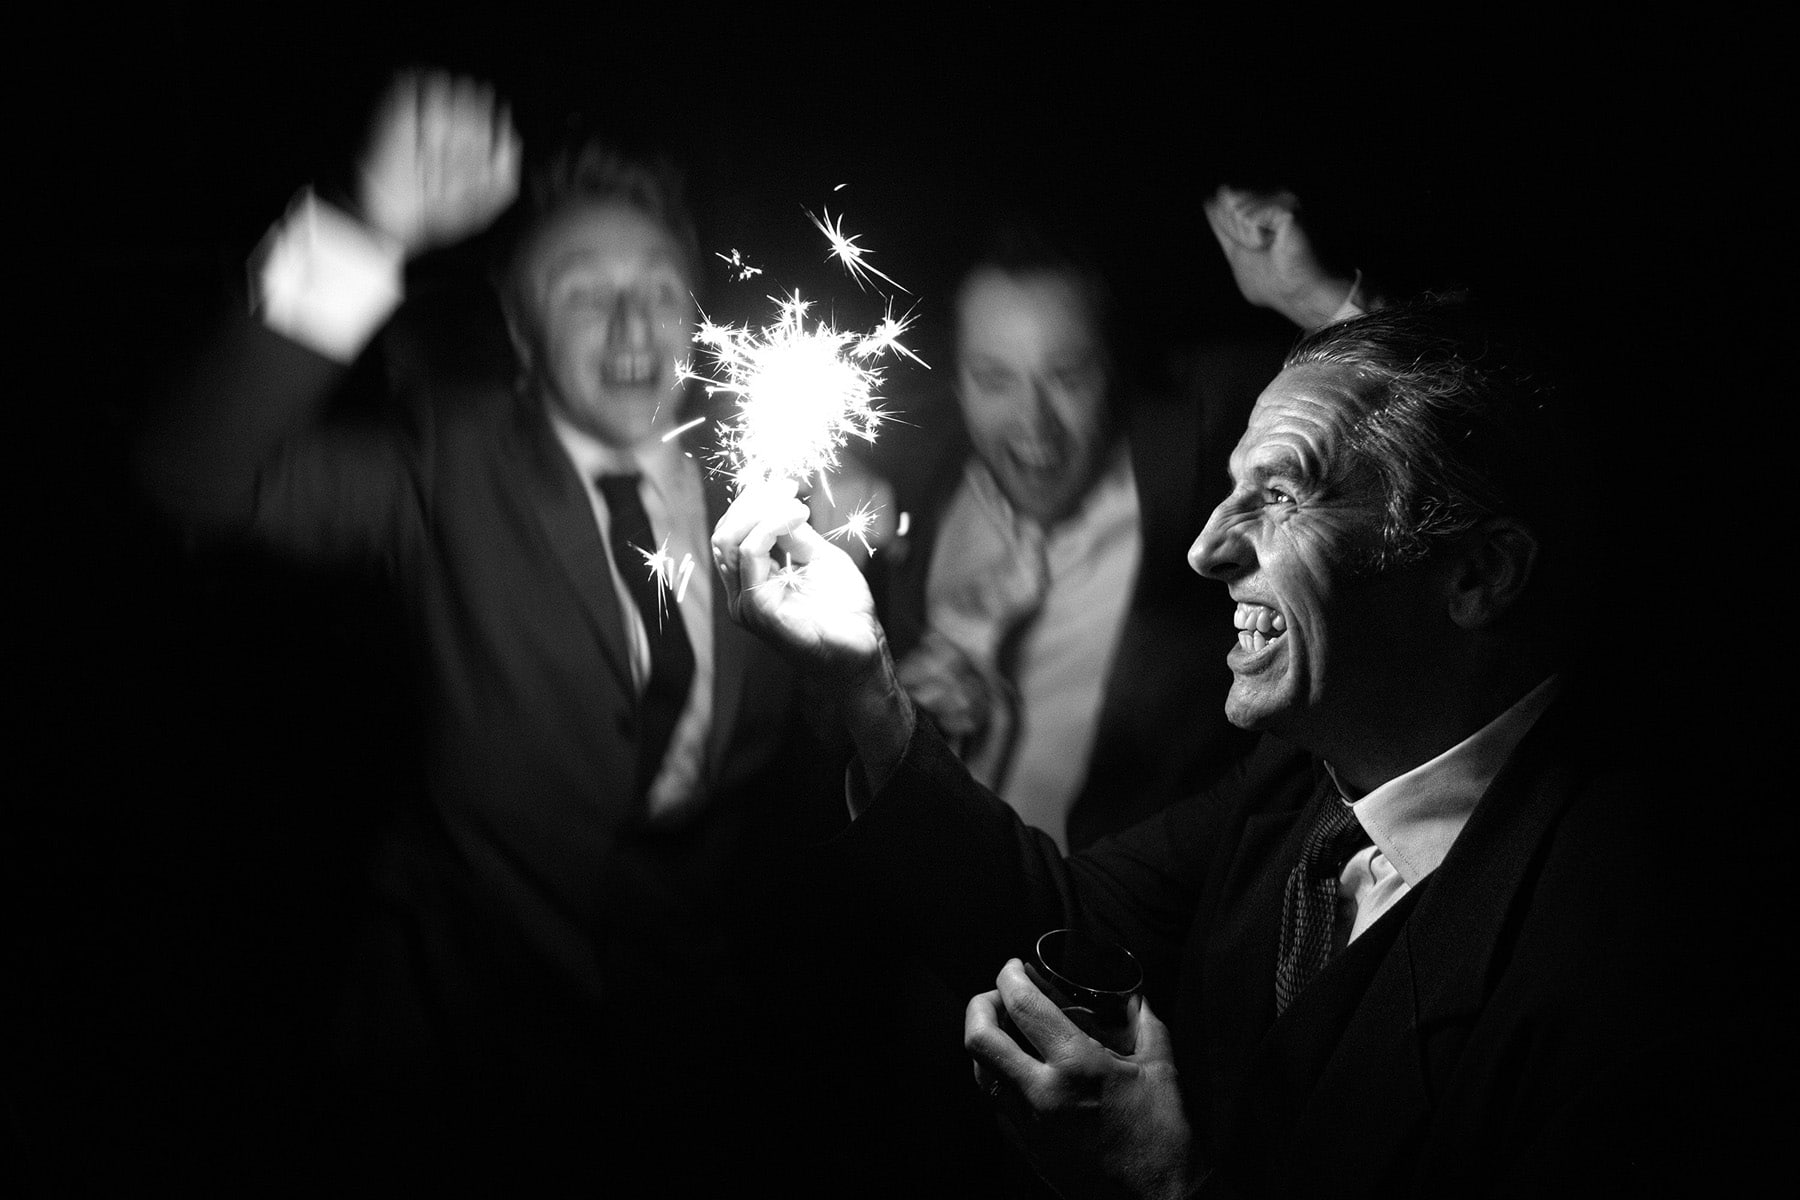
(213,739)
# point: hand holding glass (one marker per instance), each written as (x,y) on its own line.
(1091,980)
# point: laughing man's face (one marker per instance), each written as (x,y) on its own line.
(606,288)
(1324,642)
(1031,382)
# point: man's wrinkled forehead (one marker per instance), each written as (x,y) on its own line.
(1303,426)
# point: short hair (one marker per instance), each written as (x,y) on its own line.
(1019,247)
(587,170)
(1466,415)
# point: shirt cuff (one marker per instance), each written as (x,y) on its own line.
(325,280)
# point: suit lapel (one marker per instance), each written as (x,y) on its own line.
(1354,1069)
(566,514)
(1459,930)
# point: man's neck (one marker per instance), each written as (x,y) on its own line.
(1417,729)
(652,455)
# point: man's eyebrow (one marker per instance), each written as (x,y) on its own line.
(1283,461)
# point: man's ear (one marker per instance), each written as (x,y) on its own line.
(1491,571)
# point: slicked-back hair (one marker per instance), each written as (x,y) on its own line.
(1464,416)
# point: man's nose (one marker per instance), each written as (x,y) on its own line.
(1040,410)
(629,321)
(1220,552)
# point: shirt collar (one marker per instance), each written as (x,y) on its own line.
(1413,818)
(655,459)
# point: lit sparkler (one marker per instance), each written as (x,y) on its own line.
(803,390)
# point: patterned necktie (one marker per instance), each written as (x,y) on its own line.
(1309,905)
(671,654)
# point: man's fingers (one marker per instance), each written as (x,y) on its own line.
(745,513)
(996,1055)
(1150,1035)
(744,536)
(1033,1012)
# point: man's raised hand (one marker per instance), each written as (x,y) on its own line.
(442,161)
(786,583)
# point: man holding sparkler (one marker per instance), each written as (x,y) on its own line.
(1406,947)
(600,734)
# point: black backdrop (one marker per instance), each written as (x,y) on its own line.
(212,742)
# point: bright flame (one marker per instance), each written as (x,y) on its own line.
(803,390)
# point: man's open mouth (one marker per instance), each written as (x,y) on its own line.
(1257,625)
(1039,456)
(629,370)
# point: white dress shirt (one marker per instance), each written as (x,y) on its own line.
(1065,653)
(1413,818)
(676,504)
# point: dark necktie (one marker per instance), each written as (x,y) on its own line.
(671,655)
(1309,905)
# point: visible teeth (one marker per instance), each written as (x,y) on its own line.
(629,368)
(1036,457)
(1260,618)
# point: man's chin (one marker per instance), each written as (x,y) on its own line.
(1253,712)
(624,417)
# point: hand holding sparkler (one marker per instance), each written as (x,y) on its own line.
(804,596)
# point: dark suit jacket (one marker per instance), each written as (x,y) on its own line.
(1514,1025)
(1169,670)
(527,912)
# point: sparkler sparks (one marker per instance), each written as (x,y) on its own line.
(681,429)
(846,251)
(803,390)
(858,524)
(740,270)
(669,575)
(787,577)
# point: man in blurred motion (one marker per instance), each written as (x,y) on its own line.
(1044,620)
(599,748)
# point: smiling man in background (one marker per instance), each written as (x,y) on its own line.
(1044,621)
